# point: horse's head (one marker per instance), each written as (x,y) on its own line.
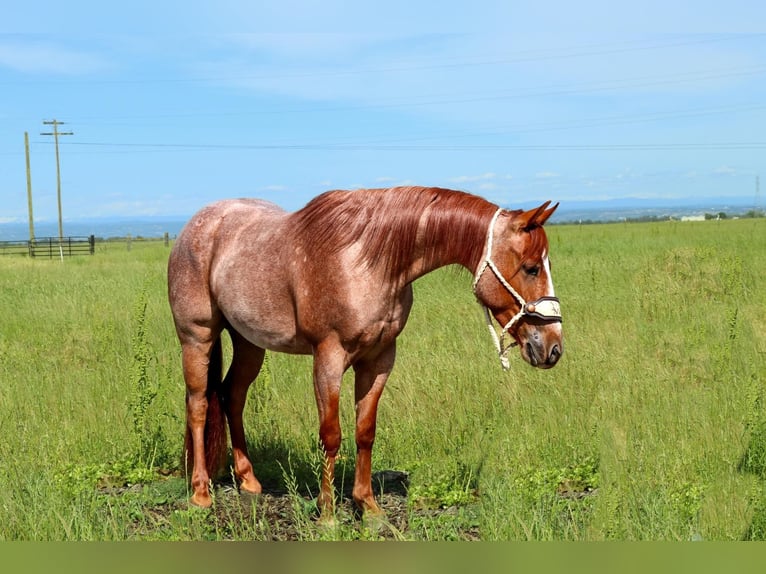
(514,284)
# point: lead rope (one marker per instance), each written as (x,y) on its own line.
(499,340)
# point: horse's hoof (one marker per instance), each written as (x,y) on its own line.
(201,500)
(250,486)
(327,521)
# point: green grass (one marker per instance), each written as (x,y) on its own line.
(653,425)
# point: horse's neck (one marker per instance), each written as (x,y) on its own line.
(449,238)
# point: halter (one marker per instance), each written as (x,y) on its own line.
(545,308)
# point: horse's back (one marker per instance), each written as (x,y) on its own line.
(218,224)
(227,216)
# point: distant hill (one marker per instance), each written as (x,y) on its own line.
(634,207)
(568,211)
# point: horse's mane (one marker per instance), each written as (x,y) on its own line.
(386,222)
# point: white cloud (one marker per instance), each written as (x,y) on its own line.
(302,46)
(46,58)
(725,170)
(473,178)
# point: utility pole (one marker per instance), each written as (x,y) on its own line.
(56,133)
(29,190)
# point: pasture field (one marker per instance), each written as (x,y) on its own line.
(652,426)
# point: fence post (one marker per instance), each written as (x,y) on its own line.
(167,239)
(92,244)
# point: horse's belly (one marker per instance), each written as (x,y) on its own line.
(268,335)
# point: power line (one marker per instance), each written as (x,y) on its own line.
(411,101)
(404,140)
(426,147)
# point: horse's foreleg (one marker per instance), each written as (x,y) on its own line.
(245,365)
(329,365)
(370,379)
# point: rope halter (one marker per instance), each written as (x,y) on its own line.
(545,308)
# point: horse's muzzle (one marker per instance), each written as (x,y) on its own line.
(539,352)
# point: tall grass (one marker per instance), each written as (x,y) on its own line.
(653,425)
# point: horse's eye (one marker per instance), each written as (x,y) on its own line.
(533,270)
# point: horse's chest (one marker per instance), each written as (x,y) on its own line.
(382,325)
(384,329)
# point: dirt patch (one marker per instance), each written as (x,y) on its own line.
(282,517)
(278,515)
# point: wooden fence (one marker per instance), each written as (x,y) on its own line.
(50,247)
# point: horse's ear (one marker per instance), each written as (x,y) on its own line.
(535,217)
(546,213)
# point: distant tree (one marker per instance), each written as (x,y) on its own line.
(721,215)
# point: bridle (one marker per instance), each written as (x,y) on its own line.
(545,308)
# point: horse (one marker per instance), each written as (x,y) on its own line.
(334,280)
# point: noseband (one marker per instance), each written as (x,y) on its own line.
(544,308)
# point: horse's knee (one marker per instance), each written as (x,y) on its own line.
(365,438)
(330,437)
(365,432)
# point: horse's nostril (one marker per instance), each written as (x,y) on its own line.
(554,355)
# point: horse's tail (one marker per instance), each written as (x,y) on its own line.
(215,422)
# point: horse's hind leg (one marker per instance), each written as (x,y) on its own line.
(245,366)
(205,432)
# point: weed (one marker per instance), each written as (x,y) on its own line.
(76,479)
(143,390)
(302,510)
(445,492)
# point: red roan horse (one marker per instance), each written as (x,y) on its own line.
(334,280)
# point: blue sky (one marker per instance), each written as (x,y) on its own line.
(174,109)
